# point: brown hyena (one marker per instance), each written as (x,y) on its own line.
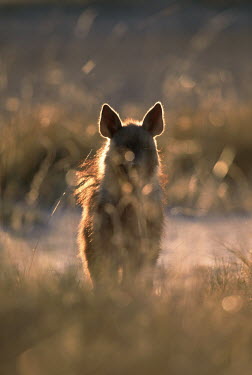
(121,196)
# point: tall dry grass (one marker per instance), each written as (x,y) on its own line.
(196,322)
(208,168)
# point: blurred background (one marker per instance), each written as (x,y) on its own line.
(61,60)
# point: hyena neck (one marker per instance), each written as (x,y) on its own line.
(113,190)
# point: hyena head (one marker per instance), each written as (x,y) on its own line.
(132,155)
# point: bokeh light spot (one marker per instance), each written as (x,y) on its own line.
(12,104)
(88,67)
(147,189)
(127,188)
(220,169)
(232,304)
(71,177)
(186,82)
(129,156)
(85,22)
(91,130)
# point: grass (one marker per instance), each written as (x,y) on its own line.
(197,322)
(36,166)
(208,168)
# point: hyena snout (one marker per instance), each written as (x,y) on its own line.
(133,173)
(137,168)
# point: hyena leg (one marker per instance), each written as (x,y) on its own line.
(130,272)
(103,270)
(149,269)
(139,273)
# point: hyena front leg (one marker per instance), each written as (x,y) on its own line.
(103,270)
(149,267)
(139,272)
(104,258)
(131,267)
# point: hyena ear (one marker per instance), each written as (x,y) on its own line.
(109,121)
(153,120)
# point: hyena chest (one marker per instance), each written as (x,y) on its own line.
(138,217)
(132,223)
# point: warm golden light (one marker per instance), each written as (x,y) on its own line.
(127,188)
(88,67)
(232,304)
(147,189)
(220,169)
(129,156)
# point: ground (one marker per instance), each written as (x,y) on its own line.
(186,241)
